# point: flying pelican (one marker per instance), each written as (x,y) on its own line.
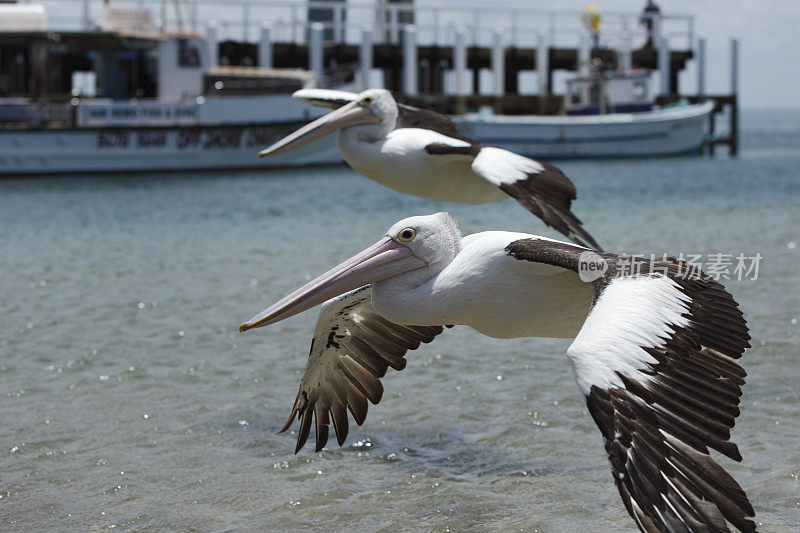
(420,152)
(654,350)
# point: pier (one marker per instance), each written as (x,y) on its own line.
(446,57)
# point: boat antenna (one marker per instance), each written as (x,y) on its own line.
(178,15)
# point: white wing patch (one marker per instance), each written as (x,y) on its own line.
(501,166)
(631,314)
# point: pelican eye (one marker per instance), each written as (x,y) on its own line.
(366,100)
(407,235)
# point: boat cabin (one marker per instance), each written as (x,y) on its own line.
(107,64)
(610,92)
(126,72)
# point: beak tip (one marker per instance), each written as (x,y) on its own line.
(243,328)
(262,153)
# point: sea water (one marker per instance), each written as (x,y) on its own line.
(128,400)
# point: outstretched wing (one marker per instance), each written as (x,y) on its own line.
(539,186)
(656,362)
(352,348)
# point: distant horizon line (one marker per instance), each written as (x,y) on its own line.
(768,109)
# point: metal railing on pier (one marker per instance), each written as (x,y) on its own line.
(436,24)
(453,36)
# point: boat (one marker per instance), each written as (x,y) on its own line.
(625,123)
(661,132)
(128,98)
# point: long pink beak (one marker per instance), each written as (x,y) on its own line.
(347,115)
(382,260)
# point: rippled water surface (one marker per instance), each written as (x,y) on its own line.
(130,401)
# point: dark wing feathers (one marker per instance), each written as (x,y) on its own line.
(351,350)
(539,186)
(659,416)
(414,117)
(547,193)
(660,420)
(448,149)
(549,196)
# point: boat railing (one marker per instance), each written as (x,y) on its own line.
(344,22)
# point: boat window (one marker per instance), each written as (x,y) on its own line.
(594,93)
(639,90)
(188,54)
(575,95)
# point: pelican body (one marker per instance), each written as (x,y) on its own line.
(398,160)
(420,153)
(654,354)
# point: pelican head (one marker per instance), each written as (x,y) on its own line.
(415,244)
(433,238)
(381,103)
(373,108)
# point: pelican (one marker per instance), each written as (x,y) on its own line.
(420,152)
(654,354)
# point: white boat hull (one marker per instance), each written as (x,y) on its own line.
(234,146)
(140,149)
(657,133)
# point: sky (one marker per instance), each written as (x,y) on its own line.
(768,30)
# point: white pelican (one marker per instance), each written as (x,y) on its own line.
(654,358)
(420,152)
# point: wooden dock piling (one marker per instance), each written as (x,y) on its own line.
(415,67)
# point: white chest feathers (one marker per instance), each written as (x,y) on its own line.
(490,291)
(399,161)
